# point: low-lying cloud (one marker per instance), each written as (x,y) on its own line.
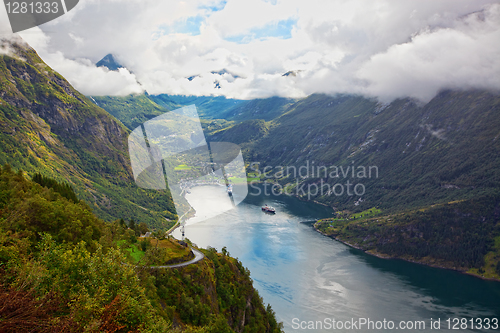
(386,48)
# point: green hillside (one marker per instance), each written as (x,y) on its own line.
(46,126)
(62,269)
(209,107)
(445,150)
(265,109)
(359,155)
(462,235)
(240,133)
(131,110)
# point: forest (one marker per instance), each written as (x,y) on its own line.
(462,235)
(62,269)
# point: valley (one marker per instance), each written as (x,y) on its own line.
(433,167)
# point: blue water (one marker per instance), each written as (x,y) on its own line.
(308,277)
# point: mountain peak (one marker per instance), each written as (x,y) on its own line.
(109,61)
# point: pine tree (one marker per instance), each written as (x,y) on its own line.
(131,224)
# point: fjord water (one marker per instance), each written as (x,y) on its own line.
(306,276)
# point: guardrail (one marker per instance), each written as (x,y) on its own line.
(179,221)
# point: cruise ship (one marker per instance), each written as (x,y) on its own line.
(268,209)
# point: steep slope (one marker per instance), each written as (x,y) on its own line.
(209,107)
(47,126)
(445,150)
(220,107)
(135,109)
(131,110)
(461,235)
(64,270)
(424,180)
(241,133)
(266,109)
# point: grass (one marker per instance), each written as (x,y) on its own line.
(134,250)
(367,213)
(331,227)
(254,176)
(239,180)
(173,249)
(183,167)
(490,261)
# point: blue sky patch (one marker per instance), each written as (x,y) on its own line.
(190,26)
(281,29)
(215,8)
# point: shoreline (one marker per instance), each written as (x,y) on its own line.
(191,210)
(381,256)
(178,223)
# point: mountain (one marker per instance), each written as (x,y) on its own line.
(224,72)
(266,109)
(47,126)
(412,180)
(447,149)
(209,107)
(424,178)
(109,62)
(463,235)
(133,110)
(241,133)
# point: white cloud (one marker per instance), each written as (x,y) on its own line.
(384,48)
(96,81)
(81,72)
(240,16)
(465,56)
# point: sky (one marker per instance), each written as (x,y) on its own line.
(386,49)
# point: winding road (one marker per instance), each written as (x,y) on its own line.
(197,257)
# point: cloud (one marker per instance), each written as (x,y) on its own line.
(384,48)
(82,73)
(460,57)
(6,46)
(95,81)
(280,29)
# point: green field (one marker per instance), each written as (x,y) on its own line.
(134,250)
(239,180)
(367,213)
(182,167)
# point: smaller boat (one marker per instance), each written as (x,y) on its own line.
(268,209)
